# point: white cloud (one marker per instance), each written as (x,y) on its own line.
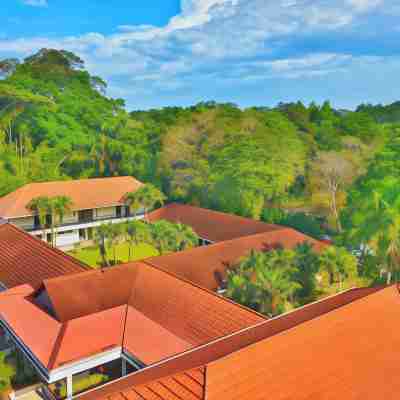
(214,41)
(36,3)
(364,5)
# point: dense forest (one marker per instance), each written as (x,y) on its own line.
(309,166)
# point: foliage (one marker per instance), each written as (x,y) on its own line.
(125,239)
(53,207)
(7,372)
(372,216)
(339,264)
(264,281)
(56,122)
(169,237)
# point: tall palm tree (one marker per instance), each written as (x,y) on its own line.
(40,206)
(163,235)
(101,235)
(149,196)
(133,201)
(114,237)
(264,280)
(186,238)
(339,264)
(136,232)
(59,206)
(275,288)
(390,246)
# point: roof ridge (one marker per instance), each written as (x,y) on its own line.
(57,345)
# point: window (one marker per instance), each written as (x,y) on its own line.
(65,233)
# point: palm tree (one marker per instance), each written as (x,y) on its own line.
(136,232)
(149,196)
(59,206)
(40,206)
(114,237)
(101,235)
(389,249)
(163,235)
(275,288)
(264,280)
(186,237)
(339,264)
(133,201)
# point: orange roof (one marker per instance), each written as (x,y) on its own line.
(347,354)
(212,225)
(25,259)
(340,347)
(147,311)
(206,266)
(84,193)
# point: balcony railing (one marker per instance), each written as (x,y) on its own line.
(85,221)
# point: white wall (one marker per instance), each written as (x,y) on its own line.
(67,238)
(24,222)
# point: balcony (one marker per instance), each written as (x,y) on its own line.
(87,220)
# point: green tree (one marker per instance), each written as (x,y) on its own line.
(164,237)
(307,263)
(137,232)
(101,237)
(186,238)
(40,206)
(339,264)
(149,196)
(115,233)
(268,280)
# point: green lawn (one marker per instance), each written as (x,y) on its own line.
(91,255)
(7,371)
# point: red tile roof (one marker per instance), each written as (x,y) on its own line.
(340,347)
(347,354)
(206,266)
(149,312)
(84,193)
(141,333)
(212,225)
(25,259)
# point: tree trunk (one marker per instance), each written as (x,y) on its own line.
(335,210)
(389,278)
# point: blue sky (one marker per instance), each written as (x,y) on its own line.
(157,53)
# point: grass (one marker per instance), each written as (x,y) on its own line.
(79,384)
(7,371)
(91,255)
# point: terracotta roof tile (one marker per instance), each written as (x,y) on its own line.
(192,313)
(141,335)
(25,259)
(212,225)
(85,194)
(86,336)
(150,312)
(345,354)
(206,266)
(239,342)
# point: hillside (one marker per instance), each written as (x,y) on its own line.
(56,122)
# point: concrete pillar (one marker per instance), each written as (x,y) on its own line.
(123,367)
(69,387)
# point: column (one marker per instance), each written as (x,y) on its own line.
(123,367)
(69,387)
